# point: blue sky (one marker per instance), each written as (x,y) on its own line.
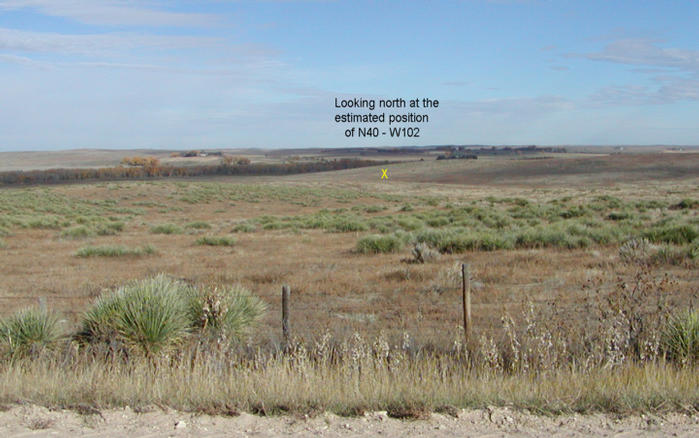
(217,73)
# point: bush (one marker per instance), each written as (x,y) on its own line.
(422,253)
(686,204)
(216,241)
(147,317)
(635,251)
(29,331)
(244,227)
(78,232)
(677,234)
(619,215)
(670,255)
(153,316)
(51,223)
(110,228)
(198,225)
(681,338)
(166,229)
(375,244)
(345,224)
(113,251)
(224,315)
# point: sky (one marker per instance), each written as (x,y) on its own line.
(194,74)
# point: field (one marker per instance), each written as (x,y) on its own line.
(557,246)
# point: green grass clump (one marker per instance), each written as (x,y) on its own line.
(244,227)
(619,215)
(148,317)
(456,241)
(113,251)
(48,223)
(216,241)
(677,234)
(110,228)
(409,223)
(166,229)
(199,225)
(77,232)
(681,338)
(375,244)
(343,224)
(29,331)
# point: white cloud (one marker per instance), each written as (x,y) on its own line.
(644,52)
(96,44)
(679,81)
(110,12)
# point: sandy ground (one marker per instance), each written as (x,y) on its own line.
(35,421)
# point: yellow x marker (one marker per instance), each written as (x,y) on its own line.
(384,175)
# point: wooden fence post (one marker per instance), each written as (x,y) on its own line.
(466,300)
(285,314)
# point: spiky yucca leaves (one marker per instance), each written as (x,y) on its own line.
(681,337)
(147,317)
(29,331)
(224,315)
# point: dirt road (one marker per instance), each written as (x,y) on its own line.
(35,421)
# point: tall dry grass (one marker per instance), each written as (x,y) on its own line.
(296,383)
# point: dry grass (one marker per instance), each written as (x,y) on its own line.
(337,289)
(290,384)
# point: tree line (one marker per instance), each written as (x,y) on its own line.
(153,169)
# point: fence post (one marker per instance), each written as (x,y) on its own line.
(285,314)
(466,300)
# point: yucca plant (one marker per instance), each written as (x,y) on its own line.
(224,315)
(681,337)
(147,317)
(29,331)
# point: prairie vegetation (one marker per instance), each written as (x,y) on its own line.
(584,297)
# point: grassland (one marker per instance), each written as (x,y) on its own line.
(550,255)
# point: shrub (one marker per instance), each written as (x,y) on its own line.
(677,234)
(151,317)
(199,225)
(410,223)
(113,251)
(29,331)
(345,224)
(681,337)
(244,227)
(110,228)
(166,229)
(224,315)
(216,241)
(51,223)
(619,215)
(670,255)
(549,237)
(147,317)
(78,232)
(422,253)
(635,251)
(686,203)
(376,243)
